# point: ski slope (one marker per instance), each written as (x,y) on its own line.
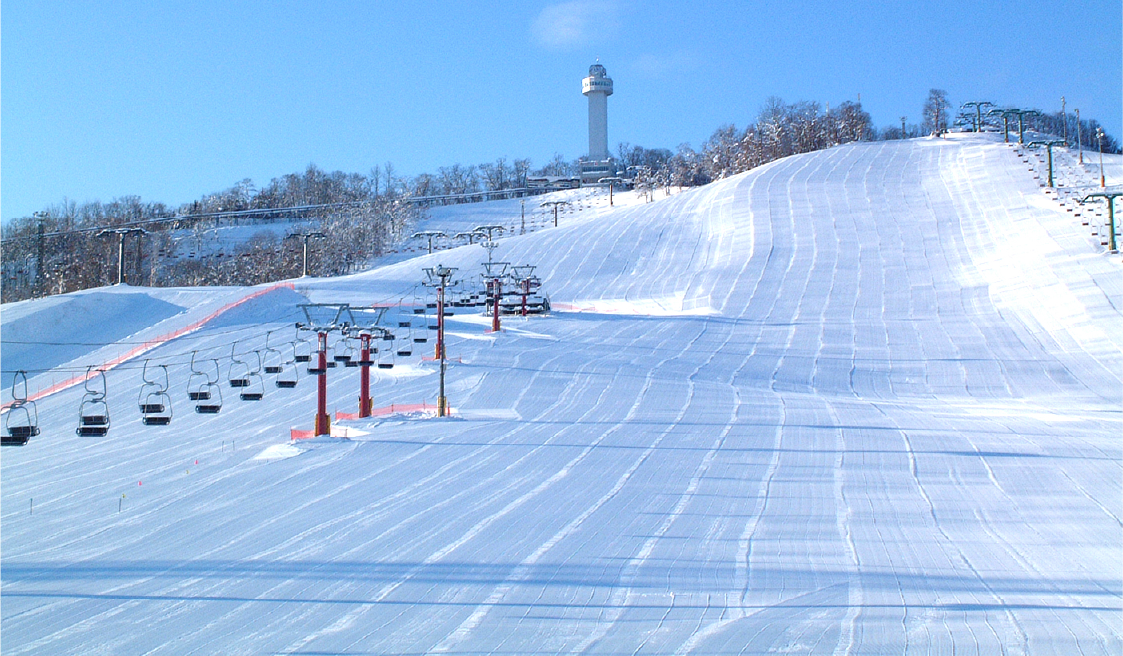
(863,400)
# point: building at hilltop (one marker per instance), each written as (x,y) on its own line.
(597,87)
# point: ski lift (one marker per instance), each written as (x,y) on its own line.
(352,353)
(348,354)
(386,355)
(255,385)
(371,350)
(274,361)
(22,422)
(198,383)
(287,378)
(93,413)
(406,349)
(402,322)
(155,404)
(209,394)
(329,356)
(301,350)
(418,306)
(239,372)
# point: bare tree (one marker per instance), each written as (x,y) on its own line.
(935,112)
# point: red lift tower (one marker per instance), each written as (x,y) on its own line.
(323,318)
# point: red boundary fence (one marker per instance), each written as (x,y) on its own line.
(394,408)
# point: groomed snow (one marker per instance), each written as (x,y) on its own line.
(864,400)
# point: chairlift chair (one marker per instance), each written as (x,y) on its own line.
(203,388)
(352,353)
(406,349)
(415,337)
(198,383)
(288,376)
(254,390)
(273,360)
(22,422)
(239,372)
(155,404)
(93,412)
(301,350)
(386,356)
(348,353)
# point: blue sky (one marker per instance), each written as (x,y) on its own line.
(171,101)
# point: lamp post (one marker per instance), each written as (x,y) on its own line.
(440,275)
(1100,138)
(1079,136)
(1064,121)
(306,236)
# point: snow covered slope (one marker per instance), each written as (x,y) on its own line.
(861,400)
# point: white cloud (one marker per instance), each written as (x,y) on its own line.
(671,66)
(574,24)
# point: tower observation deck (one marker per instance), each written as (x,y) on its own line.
(597,87)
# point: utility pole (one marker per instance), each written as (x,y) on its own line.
(1049,149)
(555,204)
(440,276)
(306,236)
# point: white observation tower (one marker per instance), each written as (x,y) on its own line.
(597,87)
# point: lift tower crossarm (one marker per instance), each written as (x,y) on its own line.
(365,330)
(306,236)
(978,105)
(489,230)
(1049,149)
(121,232)
(341,319)
(555,204)
(430,235)
(1110,197)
